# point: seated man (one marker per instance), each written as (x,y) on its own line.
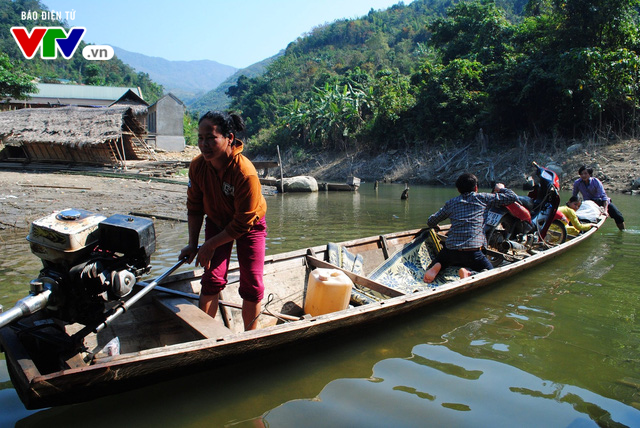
(465,238)
(574,227)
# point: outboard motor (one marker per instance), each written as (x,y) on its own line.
(88,260)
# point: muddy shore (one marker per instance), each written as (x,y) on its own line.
(27,193)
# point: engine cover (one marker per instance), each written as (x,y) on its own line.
(129,235)
(64,237)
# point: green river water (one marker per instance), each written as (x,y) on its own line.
(555,346)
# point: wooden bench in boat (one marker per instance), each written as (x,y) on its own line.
(193,317)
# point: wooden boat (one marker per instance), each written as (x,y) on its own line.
(351,185)
(338,187)
(164,334)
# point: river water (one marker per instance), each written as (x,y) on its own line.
(558,345)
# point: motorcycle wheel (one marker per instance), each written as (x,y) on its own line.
(494,238)
(556,234)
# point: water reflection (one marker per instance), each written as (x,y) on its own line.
(445,388)
(300,209)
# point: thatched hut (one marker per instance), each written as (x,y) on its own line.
(98,136)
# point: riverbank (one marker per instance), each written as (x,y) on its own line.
(617,165)
(26,195)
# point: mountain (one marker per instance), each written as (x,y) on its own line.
(216,99)
(185,79)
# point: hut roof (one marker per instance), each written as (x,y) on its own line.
(76,126)
(130,98)
(170,95)
(57,93)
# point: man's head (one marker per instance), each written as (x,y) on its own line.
(585,173)
(466,183)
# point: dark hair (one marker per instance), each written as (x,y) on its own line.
(227,123)
(584,167)
(466,183)
(574,199)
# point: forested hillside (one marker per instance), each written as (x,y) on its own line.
(217,99)
(76,69)
(432,73)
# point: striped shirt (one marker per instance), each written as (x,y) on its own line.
(467,213)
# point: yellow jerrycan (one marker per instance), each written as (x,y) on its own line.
(328,290)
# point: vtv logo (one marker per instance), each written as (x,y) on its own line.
(50,39)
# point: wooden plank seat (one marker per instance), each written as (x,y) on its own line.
(193,317)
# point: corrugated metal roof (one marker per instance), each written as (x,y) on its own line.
(55,90)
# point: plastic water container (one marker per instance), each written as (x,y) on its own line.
(328,290)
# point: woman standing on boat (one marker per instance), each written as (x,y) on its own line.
(592,190)
(224,186)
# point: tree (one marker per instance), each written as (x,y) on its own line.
(565,68)
(93,75)
(607,24)
(13,82)
(392,95)
(607,84)
(331,119)
(190,126)
(577,67)
(452,101)
(151,91)
(476,30)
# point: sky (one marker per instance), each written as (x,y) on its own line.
(238,33)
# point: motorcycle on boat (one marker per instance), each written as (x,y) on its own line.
(530,223)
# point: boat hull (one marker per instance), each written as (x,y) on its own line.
(184,347)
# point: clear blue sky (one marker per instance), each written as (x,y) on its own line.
(232,32)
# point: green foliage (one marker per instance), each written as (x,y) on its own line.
(316,69)
(331,118)
(567,78)
(13,82)
(606,24)
(476,31)
(190,126)
(608,82)
(429,72)
(391,95)
(217,98)
(76,69)
(93,75)
(452,99)
(435,71)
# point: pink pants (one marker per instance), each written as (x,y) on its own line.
(250,248)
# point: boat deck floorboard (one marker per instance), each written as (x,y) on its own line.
(193,317)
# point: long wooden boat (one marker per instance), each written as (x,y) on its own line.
(165,335)
(338,187)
